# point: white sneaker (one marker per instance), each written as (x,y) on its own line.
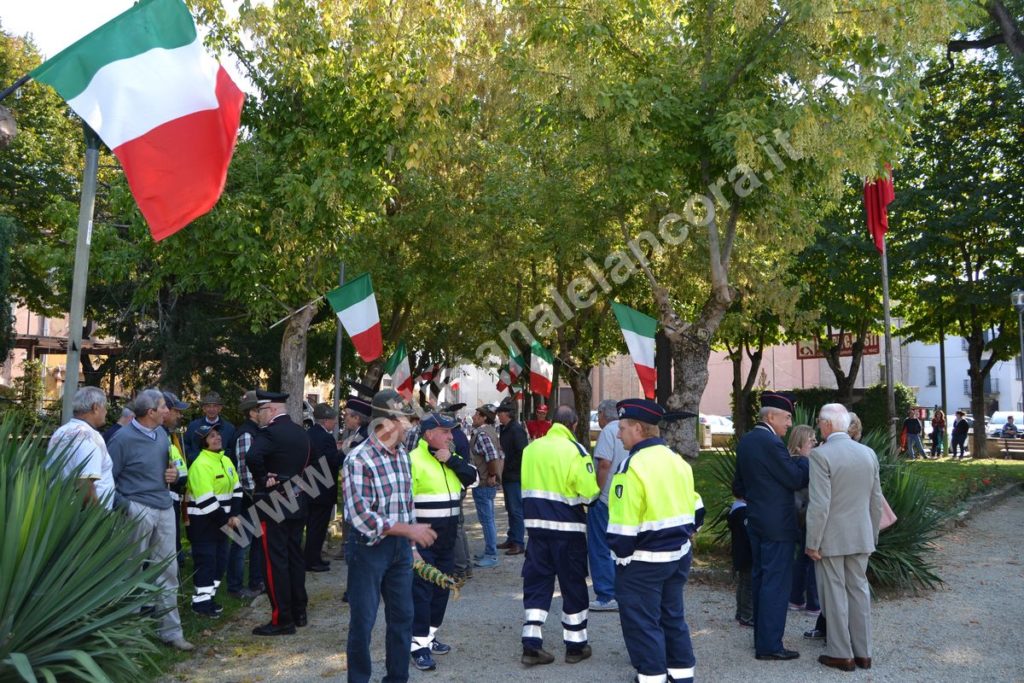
(180,643)
(604,606)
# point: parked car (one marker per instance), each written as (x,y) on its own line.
(718,424)
(307,414)
(994,426)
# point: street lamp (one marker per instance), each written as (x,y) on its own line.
(1017,297)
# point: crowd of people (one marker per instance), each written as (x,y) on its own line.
(624,514)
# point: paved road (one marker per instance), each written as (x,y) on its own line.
(969,630)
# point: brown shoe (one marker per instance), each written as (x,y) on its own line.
(535,657)
(515,549)
(837,663)
(862,662)
(505,546)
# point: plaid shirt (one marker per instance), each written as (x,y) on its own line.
(412,439)
(242,446)
(483,446)
(378,489)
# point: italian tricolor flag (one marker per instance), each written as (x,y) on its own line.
(639,330)
(356,307)
(167,110)
(516,364)
(504,379)
(542,369)
(401,374)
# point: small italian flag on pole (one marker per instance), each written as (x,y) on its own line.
(165,108)
(401,374)
(516,364)
(504,379)
(542,369)
(356,307)
(639,330)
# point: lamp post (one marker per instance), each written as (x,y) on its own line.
(1017,297)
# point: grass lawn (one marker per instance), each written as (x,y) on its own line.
(953,481)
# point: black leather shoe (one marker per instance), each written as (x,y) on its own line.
(814,634)
(535,657)
(780,656)
(301,619)
(318,568)
(274,630)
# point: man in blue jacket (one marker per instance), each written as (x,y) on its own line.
(766,477)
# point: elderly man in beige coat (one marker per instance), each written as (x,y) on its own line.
(842,530)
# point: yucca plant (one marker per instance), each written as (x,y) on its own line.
(71,580)
(902,558)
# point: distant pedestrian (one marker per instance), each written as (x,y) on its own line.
(804,593)
(127,415)
(913,428)
(489,461)
(513,440)
(324,457)
(959,439)
(938,434)
(212,405)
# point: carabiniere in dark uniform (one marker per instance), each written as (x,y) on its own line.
(279,457)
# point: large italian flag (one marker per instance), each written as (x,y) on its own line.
(356,307)
(639,330)
(401,374)
(168,111)
(542,369)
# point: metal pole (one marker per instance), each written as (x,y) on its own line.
(338,338)
(942,372)
(1020,358)
(890,394)
(81,271)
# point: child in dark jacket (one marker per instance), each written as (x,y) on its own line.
(742,562)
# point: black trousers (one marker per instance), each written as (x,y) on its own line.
(285,568)
(316,532)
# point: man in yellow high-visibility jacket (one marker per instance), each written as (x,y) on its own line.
(653,511)
(558,480)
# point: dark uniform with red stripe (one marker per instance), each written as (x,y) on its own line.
(282,450)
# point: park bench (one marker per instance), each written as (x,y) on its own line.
(998,447)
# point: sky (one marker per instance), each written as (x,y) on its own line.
(56,24)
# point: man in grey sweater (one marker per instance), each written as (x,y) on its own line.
(142,473)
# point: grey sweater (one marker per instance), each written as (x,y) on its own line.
(139,465)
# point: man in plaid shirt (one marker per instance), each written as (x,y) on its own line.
(489,460)
(378,509)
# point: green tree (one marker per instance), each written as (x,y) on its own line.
(958,220)
(758,106)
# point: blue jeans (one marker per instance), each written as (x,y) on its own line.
(914,446)
(383,570)
(236,564)
(483,498)
(514,507)
(602,566)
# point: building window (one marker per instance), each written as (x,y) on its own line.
(931,375)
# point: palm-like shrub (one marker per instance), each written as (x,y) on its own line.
(903,556)
(71,582)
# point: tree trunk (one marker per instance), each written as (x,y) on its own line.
(690,359)
(293,360)
(742,388)
(978,372)
(583,395)
(846,381)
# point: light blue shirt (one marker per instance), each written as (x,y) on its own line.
(609,447)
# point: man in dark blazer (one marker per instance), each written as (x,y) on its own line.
(766,477)
(279,457)
(321,507)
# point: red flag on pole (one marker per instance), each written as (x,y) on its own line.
(878,194)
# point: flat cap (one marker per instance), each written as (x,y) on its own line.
(324,411)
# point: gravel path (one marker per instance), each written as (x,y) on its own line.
(968,630)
